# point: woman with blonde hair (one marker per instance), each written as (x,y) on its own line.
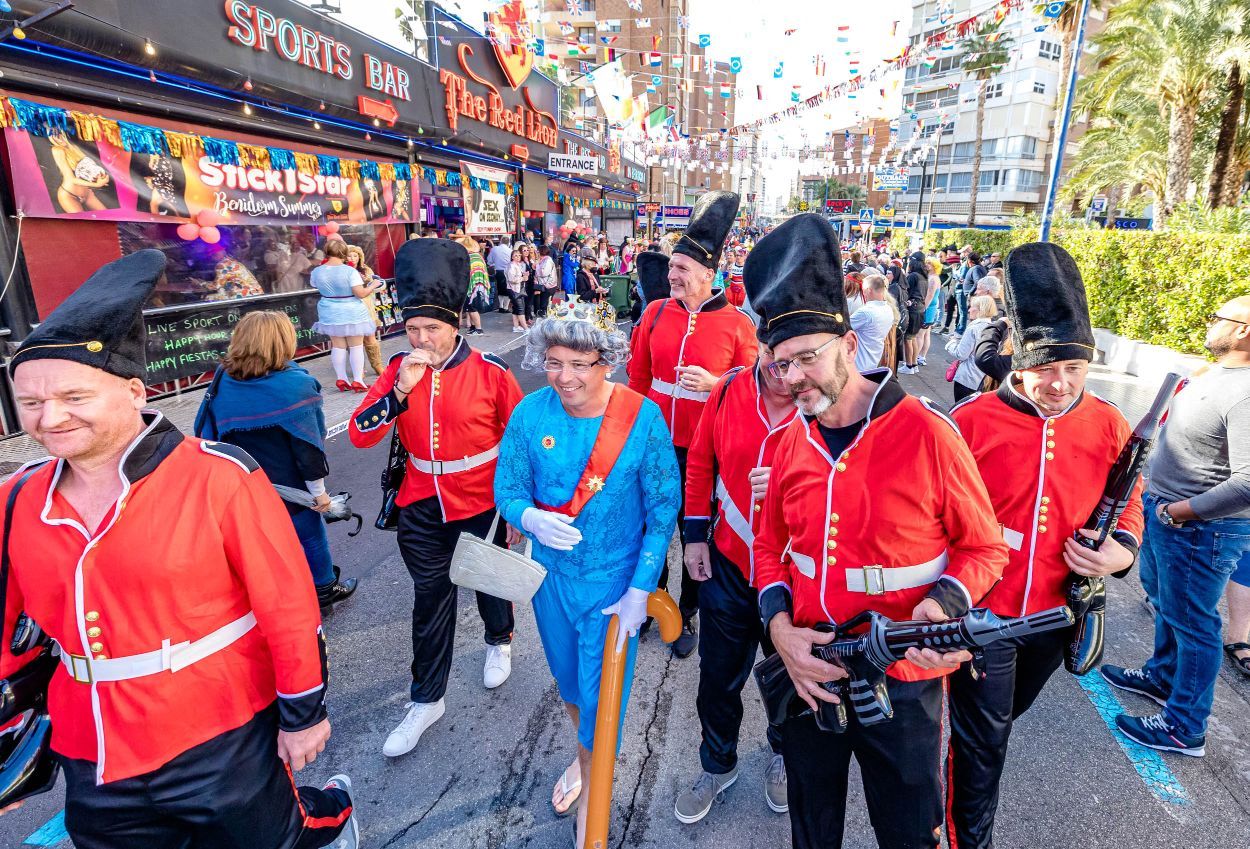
(264,403)
(80,175)
(342,315)
(373,348)
(924,338)
(967,378)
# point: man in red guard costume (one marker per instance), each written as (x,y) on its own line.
(874,503)
(683,344)
(451,404)
(167,570)
(1044,447)
(727,473)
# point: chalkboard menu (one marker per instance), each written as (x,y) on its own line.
(190,340)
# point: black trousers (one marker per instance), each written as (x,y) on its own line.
(899,761)
(232,792)
(950,307)
(982,712)
(427,543)
(730,632)
(688,601)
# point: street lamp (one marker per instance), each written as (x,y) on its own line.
(330,7)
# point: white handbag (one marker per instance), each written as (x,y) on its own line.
(479,565)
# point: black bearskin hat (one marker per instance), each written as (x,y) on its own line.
(1046,304)
(431,279)
(794,281)
(710,223)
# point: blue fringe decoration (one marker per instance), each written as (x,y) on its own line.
(329,165)
(220,151)
(281,160)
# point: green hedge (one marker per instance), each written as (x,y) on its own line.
(1154,287)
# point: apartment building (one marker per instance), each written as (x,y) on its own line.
(1019,117)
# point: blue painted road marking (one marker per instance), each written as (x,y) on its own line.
(1154,771)
(50,833)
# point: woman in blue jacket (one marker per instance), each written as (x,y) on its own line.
(568,268)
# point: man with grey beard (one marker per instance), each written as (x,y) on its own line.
(873,503)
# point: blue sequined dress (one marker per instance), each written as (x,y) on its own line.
(626,529)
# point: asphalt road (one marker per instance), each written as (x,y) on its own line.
(482,776)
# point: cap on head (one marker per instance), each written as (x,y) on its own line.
(431,279)
(101,323)
(710,222)
(794,280)
(1047,306)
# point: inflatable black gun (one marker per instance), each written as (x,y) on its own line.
(867,655)
(1088,596)
(27,766)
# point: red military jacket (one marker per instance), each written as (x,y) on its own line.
(905,493)
(734,436)
(716,336)
(197,540)
(454,412)
(1045,476)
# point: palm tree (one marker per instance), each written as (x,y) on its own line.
(984,56)
(1125,148)
(835,189)
(1239,162)
(1173,51)
(1236,58)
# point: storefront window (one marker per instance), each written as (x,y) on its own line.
(248,260)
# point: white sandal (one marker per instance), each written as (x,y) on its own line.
(569,791)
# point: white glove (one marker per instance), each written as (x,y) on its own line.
(631,609)
(554,530)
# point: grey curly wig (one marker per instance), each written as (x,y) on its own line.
(546,333)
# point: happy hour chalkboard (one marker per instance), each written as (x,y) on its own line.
(191,340)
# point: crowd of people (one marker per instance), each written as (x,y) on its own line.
(759,420)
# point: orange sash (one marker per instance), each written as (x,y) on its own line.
(618,421)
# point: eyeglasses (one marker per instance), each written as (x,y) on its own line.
(555,367)
(1214,317)
(804,361)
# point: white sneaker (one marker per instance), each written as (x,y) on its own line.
(498,666)
(518,330)
(420,716)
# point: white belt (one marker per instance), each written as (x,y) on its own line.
(666,388)
(878,580)
(175,657)
(737,522)
(447,467)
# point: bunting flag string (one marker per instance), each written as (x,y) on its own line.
(910,56)
(591,203)
(41,120)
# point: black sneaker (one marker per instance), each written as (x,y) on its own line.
(685,645)
(1133,681)
(1155,732)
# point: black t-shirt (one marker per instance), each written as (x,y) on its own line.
(917,288)
(838,438)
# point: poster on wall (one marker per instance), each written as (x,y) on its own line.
(63,176)
(490,208)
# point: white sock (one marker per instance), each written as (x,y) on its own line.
(357,355)
(338,359)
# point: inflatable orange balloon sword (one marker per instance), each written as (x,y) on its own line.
(663,610)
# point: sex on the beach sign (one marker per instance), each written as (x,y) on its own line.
(490,208)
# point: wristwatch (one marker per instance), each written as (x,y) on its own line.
(1166,517)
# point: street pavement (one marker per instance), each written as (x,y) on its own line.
(482,776)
